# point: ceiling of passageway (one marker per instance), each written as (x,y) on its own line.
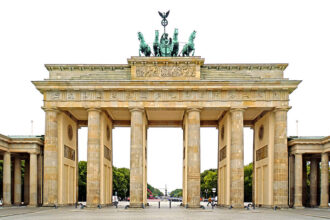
(162,117)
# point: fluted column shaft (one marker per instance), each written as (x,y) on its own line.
(193,158)
(51,158)
(313,182)
(237,158)
(33,180)
(93,158)
(6,179)
(298,181)
(17,182)
(281,158)
(136,163)
(324,180)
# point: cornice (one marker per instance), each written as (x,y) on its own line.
(320,141)
(165,60)
(239,85)
(246,66)
(85,67)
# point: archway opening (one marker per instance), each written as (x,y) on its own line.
(248,164)
(82,164)
(121,163)
(164,164)
(209,167)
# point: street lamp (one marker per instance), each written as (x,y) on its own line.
(213,190)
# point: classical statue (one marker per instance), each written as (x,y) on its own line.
(166,46)
(175,43)
(144,47)
(156,44)
(190,46)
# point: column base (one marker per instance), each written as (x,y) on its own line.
(324,206)
(298,207)
(137,205)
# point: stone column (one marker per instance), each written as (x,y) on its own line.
(40,167)
(291,179)
(280,158)
(17,182)
(51,158)
(193,158)
(33,180)
(313,182)
(26,181)
(6,179)
(237,158)
(324,180)
(298,181)
(93,158)
(304,182)
(136,163)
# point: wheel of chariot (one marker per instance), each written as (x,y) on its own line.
(164,22)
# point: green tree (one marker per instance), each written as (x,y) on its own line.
(209,179)
(248,170)
(82,169)
(176,193)
(121,181)
(154,191)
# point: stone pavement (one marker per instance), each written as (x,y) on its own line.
(153,212)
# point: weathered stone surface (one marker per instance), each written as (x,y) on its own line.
(93,158)
(136,164)
(17,182)
(298,181)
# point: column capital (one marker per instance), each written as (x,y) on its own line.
(282,108)
(51,109)
(94,109)
(235,109)
(194,109)
(136,109)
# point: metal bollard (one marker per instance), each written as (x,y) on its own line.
(159,204)
(170,203)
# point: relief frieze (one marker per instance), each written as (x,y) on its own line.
(165,95)
(170,71)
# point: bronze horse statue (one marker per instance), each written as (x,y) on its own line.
(190,46)
(144,47)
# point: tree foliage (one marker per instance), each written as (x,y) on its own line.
(209,179)
(82,170)
(121,179)
(154,191)
(248,170)
(176,193)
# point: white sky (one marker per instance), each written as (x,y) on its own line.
(33,33)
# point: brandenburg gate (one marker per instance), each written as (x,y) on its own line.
(166,92)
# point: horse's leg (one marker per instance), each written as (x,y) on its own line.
(193,52)
(140,52)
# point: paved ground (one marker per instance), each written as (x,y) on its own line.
(153,212)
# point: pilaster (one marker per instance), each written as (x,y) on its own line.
(298,180)
(33,180)
(324,180)
(6,179)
